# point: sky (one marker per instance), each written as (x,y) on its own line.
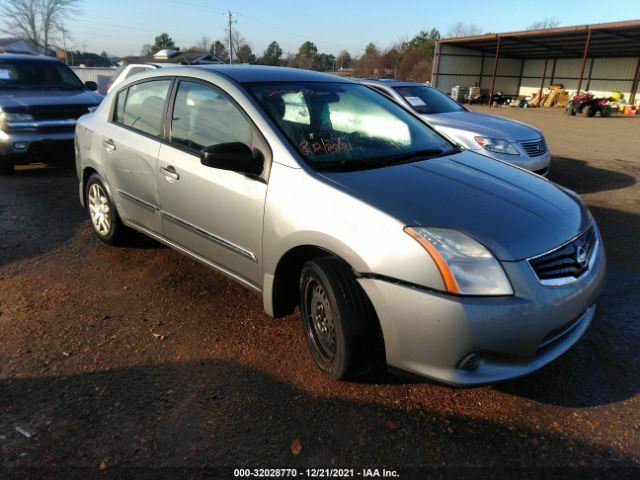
(122,27)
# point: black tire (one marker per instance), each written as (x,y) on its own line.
(6,166)
(116,233)
(331,301)
(570,110)
(590,111)
(606,111)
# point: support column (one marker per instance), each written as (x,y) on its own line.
(435,73)
(593,60)
(495,70)
(544,74)
(584,61)
(520,77)
(634,85)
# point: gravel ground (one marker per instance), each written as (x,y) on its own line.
(137,361)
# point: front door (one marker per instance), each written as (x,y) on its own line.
(216,214)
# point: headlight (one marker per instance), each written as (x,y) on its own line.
(466,266)
(496,145)
(5,118)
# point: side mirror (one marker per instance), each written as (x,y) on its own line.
(91,85)
(234,156)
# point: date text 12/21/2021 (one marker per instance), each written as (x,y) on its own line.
(315,473)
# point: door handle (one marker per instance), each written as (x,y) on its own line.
(109,145)
(170,172)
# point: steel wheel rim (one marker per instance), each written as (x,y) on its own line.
(99,209)
(320,320)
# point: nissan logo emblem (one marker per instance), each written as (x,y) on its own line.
(581,256)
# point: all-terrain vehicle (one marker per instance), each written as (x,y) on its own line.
(588,105)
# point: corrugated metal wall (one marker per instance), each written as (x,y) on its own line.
(461,66)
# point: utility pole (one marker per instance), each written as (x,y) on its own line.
(230,23)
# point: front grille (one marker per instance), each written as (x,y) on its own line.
(58,112)
(535,149)
(567,262)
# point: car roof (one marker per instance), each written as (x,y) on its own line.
(264,73)
(18,56)
(388,82)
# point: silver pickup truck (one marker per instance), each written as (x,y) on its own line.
(40,101)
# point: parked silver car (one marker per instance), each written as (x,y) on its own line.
(314,191)
(489,135)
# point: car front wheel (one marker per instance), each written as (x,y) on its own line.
(104,217)
(340,324)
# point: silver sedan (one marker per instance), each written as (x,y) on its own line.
(398,247)
(495,137)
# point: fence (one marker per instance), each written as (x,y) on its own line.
(99,75)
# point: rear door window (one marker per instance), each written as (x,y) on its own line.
(143,106)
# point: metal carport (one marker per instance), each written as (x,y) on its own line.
(605,57)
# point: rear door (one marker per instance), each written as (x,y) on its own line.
(130,146)
(216,214)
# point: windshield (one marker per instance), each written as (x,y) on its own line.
(347,125)
(37,74)
(428,100)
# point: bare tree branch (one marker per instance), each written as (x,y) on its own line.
(549,22)
(37,20)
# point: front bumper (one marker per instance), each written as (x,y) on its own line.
(429,333)
(20,144)
(539,164)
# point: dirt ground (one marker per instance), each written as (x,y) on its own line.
(137,361)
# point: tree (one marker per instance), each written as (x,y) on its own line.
(220,50)
(104,54)
(423,40)
(272,54)
(549,22)
(415,66)
(245,55)
(36,20)
(307,56)
(369,61)
(163,41)
(326,62)
(344,60)
(147,50)
(390,62)
(237,42)
(461,29)
(202,45)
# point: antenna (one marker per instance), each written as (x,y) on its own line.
(229,29)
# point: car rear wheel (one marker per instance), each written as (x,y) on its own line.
(606,111)
(104,217)
(340,324)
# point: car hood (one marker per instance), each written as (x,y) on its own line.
(17,101)
(485,125)
(516,214)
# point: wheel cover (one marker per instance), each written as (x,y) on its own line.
(99,209)
(320,320)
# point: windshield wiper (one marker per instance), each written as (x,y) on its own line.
(418,155)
